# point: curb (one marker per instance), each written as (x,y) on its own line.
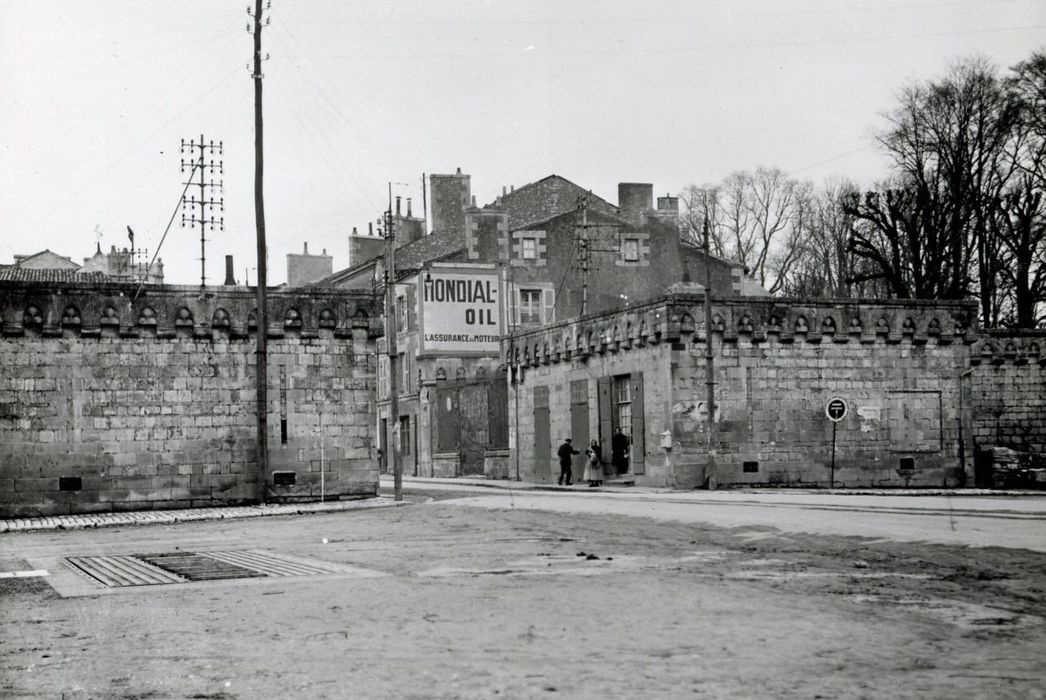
(170,517)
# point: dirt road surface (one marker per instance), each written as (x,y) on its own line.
(452,595)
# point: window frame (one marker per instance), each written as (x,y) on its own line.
(629,245)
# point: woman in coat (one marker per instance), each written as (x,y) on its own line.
(594,465)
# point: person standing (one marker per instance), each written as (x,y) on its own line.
(619,451)
(566,454)
(594,465)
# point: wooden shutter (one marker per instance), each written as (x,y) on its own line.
(412,308)
(606,413)
(513,301)
(549,297)
(638,451)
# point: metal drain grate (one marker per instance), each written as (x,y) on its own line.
(123,571)
(198,567)
(182,567)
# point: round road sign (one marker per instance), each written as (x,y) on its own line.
(836,409)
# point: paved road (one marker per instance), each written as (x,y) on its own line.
(975,520)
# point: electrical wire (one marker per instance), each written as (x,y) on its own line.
(181,198)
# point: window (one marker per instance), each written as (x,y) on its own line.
(401,314)
(630,249)
(530,306)
(405,435)
(623,398)
(529,248)
(383,376)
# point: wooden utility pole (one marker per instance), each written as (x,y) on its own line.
(262,355)
(390,347)
(709,366)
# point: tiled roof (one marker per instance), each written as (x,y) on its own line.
(427,248)
(414,255)
(13,273)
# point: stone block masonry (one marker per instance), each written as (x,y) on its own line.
(110,402)
(1008,390)
(900,366)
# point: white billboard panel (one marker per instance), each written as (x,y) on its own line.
(461,313)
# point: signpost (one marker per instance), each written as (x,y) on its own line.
(836,410)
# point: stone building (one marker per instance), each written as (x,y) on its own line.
(305,268)
(125,265)
(527,246)
(915,377)
(116,265)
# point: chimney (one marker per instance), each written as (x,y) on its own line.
(668,205)
(504,190)
(473,200)
(634,198)
(409,215)
(370,228)
(306,248)
(230,279)
(397,205)
(354,231)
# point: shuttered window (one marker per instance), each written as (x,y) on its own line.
(530,306)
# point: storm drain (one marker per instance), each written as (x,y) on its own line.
(182,567)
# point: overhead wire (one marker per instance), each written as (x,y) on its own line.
(619,50)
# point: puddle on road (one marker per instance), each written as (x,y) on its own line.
(969,616)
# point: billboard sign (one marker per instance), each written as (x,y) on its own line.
(461,313)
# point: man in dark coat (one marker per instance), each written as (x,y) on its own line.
(619,451)
(566,454)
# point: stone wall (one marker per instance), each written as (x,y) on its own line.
(776,363)
(1009,390)
(112,401)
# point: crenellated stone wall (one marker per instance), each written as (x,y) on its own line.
(776,364)
(114,398)
(1009,390)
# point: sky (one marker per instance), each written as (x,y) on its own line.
(99,94)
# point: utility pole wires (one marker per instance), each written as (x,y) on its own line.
(262,362)
(201,212)
(583,252)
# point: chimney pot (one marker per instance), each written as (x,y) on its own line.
(409,215)
(370,228)
(306,248)
(354,231)
(397,205)
(324,251)
(459,171)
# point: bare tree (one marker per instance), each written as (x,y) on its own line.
(752,221)
(923,234)
(1021,220)
(700,205)
(824,266)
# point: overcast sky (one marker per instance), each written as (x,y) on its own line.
(97,95)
